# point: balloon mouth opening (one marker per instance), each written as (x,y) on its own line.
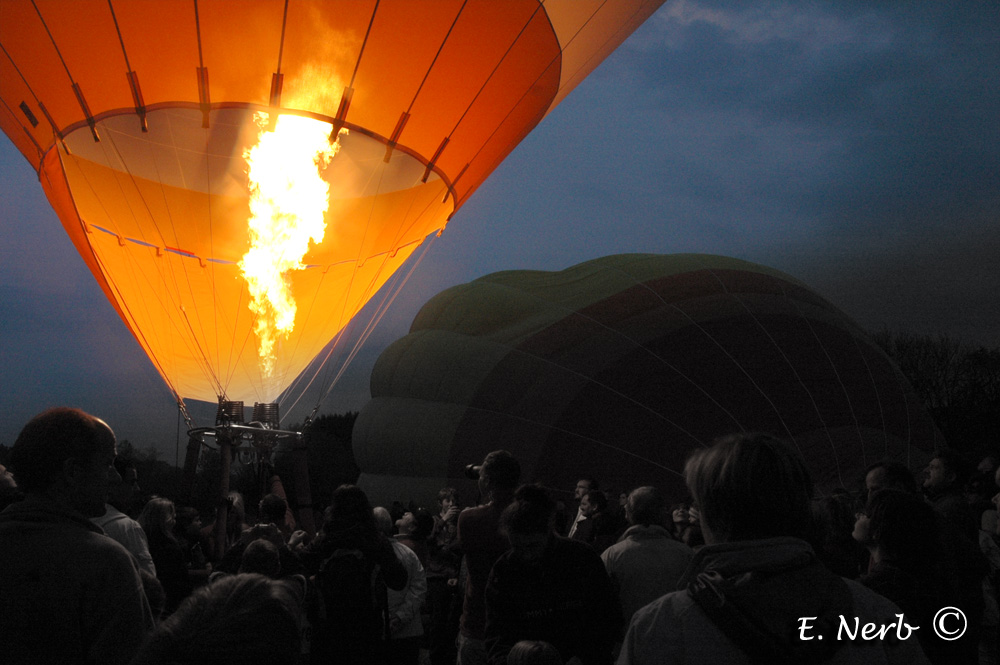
(164,214)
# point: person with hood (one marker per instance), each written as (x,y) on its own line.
(756,593)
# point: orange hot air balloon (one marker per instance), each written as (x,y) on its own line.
(177,141)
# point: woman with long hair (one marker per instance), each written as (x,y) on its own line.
(353,563)
(157,520)
(908,564)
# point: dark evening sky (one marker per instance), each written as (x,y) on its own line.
(853,145)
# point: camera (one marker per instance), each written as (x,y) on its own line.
(472,471)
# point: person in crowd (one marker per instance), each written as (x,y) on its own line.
(444,561)
(944,479)
(548,588)
(694,536)
(414,530)
(154,594)
(908,567)
(273,509)
(597,528)
(534,652)
(236,521)
(482,543)
(187,531)
(647,562)
(889,474)
(157,520)
(989,640)
(9,491)
(290,563)
(583,485)
(404,606)
(68,593)
(351,627)
(237,620)
(679,520)
(117,524)
(833,542)
(261,556)
(989,464)
(978,492)
(446,520)
(756,593)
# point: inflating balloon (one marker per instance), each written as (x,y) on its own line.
(241,177)
(618,367)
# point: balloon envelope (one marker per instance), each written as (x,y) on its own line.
(618,367)
(138,115)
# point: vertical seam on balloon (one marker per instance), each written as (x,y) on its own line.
(581,436)
(878,401)
(620,29)
(774,406)
(436,56)
(489,78)
(121,40)
(131,76)
(380,312)
(609,388)
(701,389)
(341,324)
(331,346)
(364,43)
(41,152)
(31,138)
(18,70)
(138,334)
(524,94)
(110,135)
(197,30)
(202,96)
(854,417)
(54,45)
(77,91)
(281,44)
(897,372)
(212,372)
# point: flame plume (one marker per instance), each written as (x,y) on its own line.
(288,203)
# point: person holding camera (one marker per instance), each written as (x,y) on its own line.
(482,543)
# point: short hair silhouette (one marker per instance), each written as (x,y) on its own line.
(237,620)
(533,652)
(502,469)
(262,557)
(646,506)
(531,511)
(272,510)
(51,438)
(895,475)
(750,487)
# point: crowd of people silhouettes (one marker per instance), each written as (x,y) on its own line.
(751,567)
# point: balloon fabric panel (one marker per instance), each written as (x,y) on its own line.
(621,365)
